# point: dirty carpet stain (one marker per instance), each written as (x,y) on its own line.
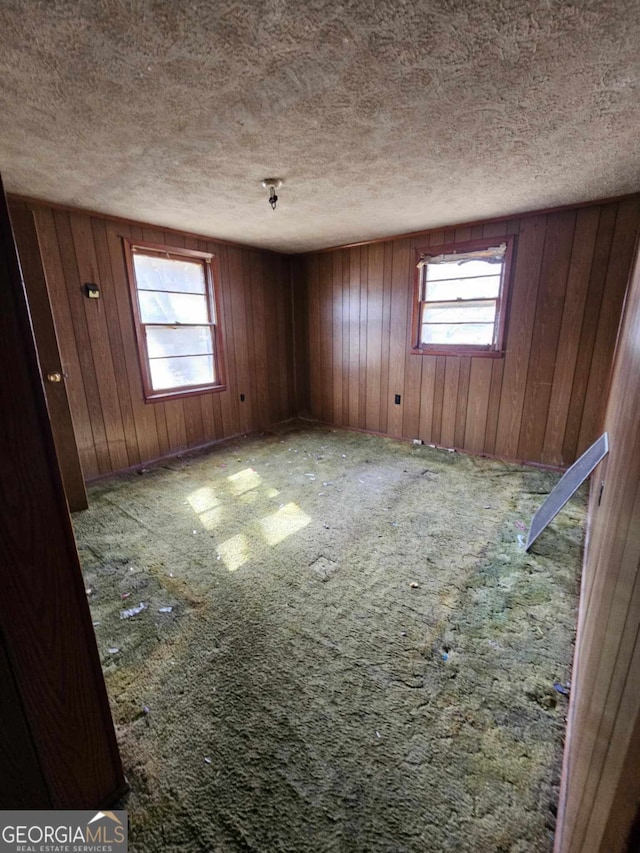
(359,656)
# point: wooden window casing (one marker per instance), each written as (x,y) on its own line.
(494,349)
(208,264)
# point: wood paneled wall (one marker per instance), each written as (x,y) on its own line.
(341,345)
(543,402)
(115,428)
(601,784)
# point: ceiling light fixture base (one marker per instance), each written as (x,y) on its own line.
(272,184)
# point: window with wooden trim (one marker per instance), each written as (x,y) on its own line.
(175,312)
(461,298)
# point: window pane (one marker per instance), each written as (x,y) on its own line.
(470,312)
(463,269)
(172,307)
(478,334)
(181,372)
(165,341)
(153,272)
(487,287)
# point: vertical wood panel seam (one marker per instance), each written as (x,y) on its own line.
(533,324)
(74,324)
(564,306)
(117,335)
(584,399)
(619,703)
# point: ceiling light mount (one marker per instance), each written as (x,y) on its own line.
(272,184)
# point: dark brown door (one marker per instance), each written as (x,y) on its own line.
(53,372)
(57,742)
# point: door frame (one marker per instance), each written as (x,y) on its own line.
(58,696)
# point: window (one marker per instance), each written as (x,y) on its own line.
(174,308)
(460,302)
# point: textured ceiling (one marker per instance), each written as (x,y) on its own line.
(382,116)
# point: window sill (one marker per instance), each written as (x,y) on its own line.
(177,393)
(473,352)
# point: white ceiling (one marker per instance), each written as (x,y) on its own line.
(382,117)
